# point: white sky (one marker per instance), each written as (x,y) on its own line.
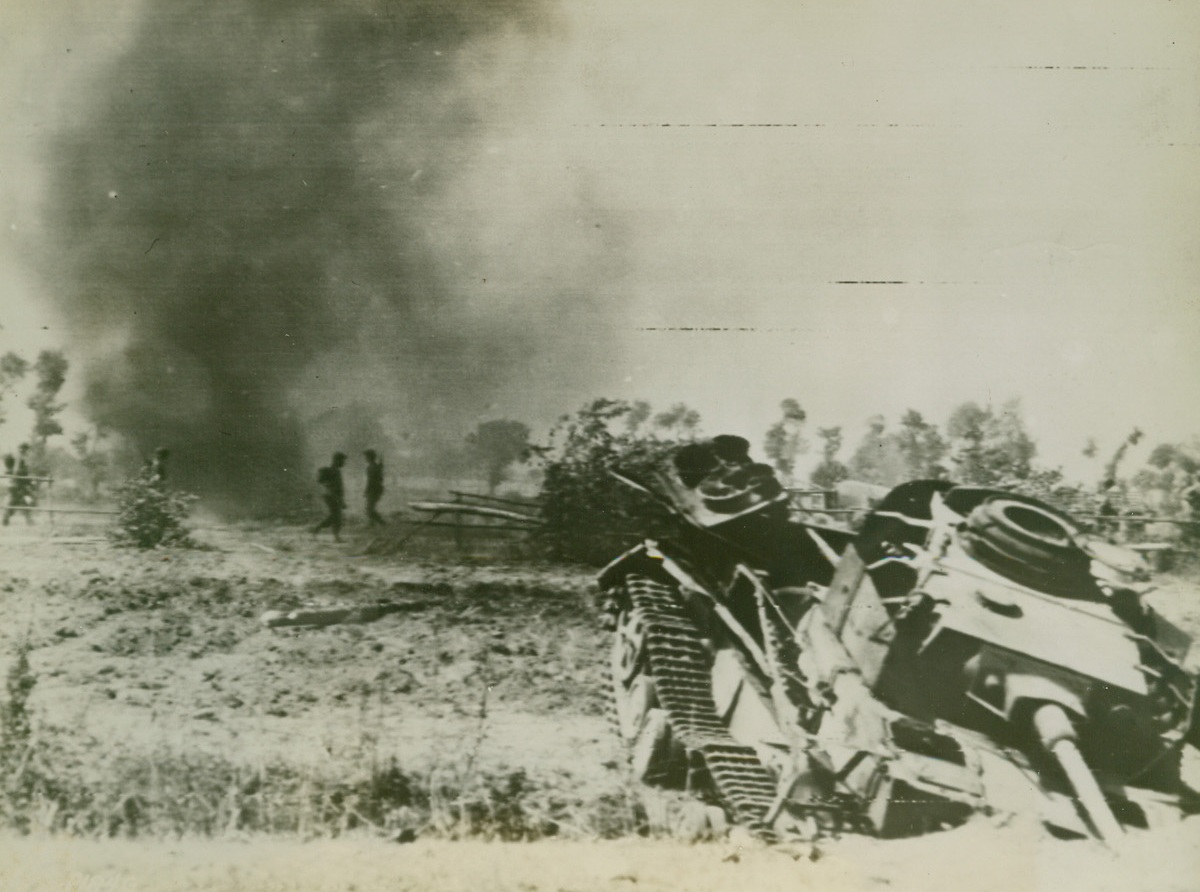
(1043,220)
(1029,171)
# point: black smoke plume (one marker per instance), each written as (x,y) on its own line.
(240,229)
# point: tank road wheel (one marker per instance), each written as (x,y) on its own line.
(633,689)
(656,757)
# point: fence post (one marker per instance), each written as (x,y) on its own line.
(458,533)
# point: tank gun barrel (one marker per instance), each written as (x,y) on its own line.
(1057,736)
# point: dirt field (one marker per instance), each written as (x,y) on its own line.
(209,752)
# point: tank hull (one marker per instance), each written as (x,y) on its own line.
(963,653)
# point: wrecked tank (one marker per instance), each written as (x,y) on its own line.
(966,650)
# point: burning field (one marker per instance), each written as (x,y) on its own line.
(173,732)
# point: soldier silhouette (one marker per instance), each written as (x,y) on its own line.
(20,487)
(374,490)
(158,467)
(330,477)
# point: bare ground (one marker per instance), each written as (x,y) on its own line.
(493,670)
(165,649)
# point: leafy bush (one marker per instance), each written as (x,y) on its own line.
(589,515)
(150,515)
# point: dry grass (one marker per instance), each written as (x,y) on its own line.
(169,793)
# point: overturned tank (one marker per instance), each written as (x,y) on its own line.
(967,650)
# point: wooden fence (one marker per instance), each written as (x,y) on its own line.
(469,516)
(42,504)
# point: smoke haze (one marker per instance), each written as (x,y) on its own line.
(260,218)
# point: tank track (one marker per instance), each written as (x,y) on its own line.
(679,665)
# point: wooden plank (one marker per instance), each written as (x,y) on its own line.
(15,508)
(470,527)
(477,510)
(521,503)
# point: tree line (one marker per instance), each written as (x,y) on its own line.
(588,512)
(45,377)
(982,444)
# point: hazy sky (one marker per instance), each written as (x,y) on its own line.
(867,206)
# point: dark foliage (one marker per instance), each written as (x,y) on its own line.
(590,515)
(149,515)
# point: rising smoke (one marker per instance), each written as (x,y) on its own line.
(259,222)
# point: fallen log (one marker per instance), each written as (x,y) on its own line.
(332,616)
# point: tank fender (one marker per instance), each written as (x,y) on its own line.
(647,559)
(635,560)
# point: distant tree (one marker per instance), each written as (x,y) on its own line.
(784,441)
(921,446)
(1110,469)
(1171,468)
(680,421)
(989,447)
(498,444)
(639,414)
(1148,480)
(12,369)
(50,370)
(965,428)
(1164,455)
(1049,485)
(877,458)
(1010,445)
(830,471)
(1090,448)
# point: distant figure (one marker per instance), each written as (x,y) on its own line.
(10,468)
(374,491)
(20,487)
(158,467)
(1191,500)
(330,478)
(1107,523)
